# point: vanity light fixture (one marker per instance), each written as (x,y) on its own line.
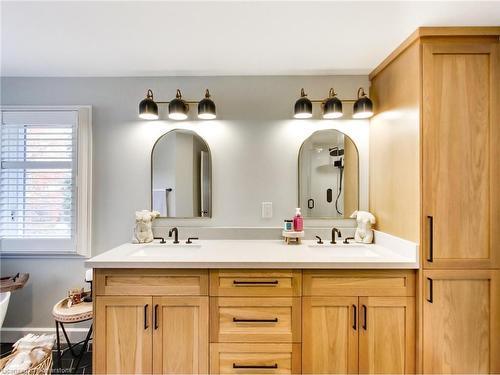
(363,106)
(178,108)
(206,108)
(303,106)
(332,106)
(148,109)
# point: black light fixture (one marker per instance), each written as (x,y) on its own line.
(178,109)
(206,108)
(332,106)
(148,109)
(363,106)
(303,106)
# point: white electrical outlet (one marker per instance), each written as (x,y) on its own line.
(267,210)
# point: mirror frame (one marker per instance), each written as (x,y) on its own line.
(298,177)
(209,170)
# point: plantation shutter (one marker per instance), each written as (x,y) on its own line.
(38,200)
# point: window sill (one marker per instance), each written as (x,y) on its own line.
(45,255)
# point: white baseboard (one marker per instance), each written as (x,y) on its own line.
(11,335)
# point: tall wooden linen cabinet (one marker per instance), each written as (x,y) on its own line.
(435,180)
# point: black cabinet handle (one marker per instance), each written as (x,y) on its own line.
(430,299)
(238,320)
(364,317)
(255,366)
(310,203)
(146,326)
(431,239)
(156,317)
(271,282)
(355,317)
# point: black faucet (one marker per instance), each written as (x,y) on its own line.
(162,240)
(346,241)
(191,238)
(335,230)
(319,240)
(175,231)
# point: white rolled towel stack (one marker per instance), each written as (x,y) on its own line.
(29,350)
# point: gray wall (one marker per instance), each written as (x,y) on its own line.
(254,144)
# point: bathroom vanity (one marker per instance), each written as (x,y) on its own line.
(255,307)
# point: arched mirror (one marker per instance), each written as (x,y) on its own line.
(328,175)
(181,175)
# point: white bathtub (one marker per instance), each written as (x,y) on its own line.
(4,303)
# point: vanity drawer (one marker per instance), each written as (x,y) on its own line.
(150,282)
(255,319)
(258,283)
(255,359)
(359,283)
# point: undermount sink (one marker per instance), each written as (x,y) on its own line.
(164,249)
(345,250)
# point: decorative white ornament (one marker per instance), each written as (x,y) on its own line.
(143,231)
(364,231)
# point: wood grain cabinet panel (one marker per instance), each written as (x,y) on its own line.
(386,335)
(461,154)
(255,359)
(330,335)
(258,319)
(123,335)
(461,328)
(180,335)
(257,283)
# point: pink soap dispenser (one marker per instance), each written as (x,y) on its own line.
(298,221)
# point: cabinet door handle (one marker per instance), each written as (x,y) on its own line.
(364,317)
(146,326)
(235,365)
(430,258)
(355,317)
(430,299)
(250,283)
(238,320)
(156,317)
(310,203)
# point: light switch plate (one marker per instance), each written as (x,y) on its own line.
(267,210)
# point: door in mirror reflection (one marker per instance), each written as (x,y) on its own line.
(328,175)
(181,173)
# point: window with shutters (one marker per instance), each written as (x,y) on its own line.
(45,180)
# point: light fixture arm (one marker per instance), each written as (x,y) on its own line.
(361,93)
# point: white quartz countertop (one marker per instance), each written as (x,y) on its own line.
(387,252)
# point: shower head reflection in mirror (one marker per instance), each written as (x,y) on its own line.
(328,175)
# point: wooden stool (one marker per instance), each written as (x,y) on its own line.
(292,237)
(64,314)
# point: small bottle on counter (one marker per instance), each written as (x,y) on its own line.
(288,226)
(298,221)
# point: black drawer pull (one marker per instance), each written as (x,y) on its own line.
(355,317)
(240,282)
(431,239)
(156,317)
(255,366)
(430,299)
(364,317)
(238,320)
(146,326)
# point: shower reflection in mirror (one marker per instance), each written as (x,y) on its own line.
(181,175)
(328,175)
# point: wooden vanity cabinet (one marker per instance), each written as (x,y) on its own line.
(364,332)
(165,332)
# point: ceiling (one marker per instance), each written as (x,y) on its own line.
(162,38)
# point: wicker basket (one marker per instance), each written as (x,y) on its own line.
(43,367)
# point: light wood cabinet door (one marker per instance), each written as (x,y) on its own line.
(461,324)
(180,335)
(330,335)
(123,329)
(461,154)
(386,335)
